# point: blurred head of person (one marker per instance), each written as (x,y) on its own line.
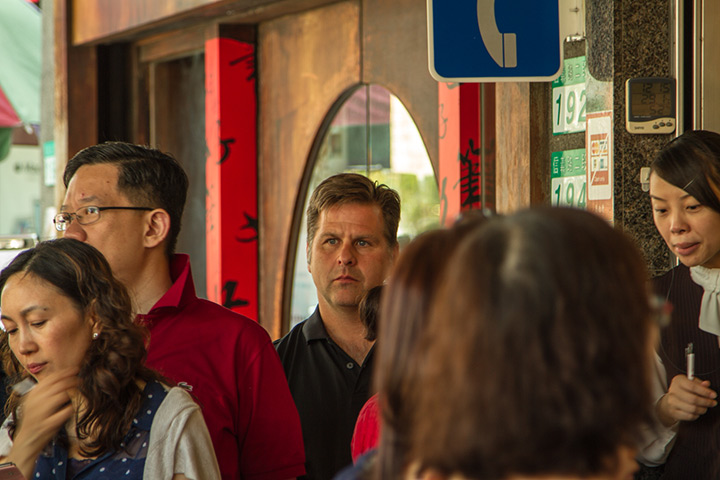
(537,354)
(62,309)
(685,197)
(404,310)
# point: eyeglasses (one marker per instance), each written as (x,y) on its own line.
(85,216)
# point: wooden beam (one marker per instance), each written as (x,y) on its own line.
(100,21)
(75,122)
(170,45)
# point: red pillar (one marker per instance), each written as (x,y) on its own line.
(466,181)
(231,175)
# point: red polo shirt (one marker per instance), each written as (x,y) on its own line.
(367,429)
(231,368)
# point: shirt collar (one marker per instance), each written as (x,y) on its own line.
(313,328)
(181,292)
(182,283)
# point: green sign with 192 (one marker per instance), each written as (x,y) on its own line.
(568,178)
(569,98)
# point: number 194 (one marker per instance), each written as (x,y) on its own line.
(568,197)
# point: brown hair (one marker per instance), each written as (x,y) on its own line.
(537,351)
(404,311)
(113,362)
(347,188)
(368,309)
(691,162)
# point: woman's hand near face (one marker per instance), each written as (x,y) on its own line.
(685,400)
(43,411)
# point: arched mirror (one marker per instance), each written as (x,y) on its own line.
(372,134)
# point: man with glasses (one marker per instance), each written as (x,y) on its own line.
(127,201)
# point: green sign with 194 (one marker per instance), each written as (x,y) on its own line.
(568,178)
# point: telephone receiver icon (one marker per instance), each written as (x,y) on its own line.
(501,46)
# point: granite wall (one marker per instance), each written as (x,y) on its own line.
(642,41)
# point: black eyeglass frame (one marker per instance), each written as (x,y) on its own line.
(73,216)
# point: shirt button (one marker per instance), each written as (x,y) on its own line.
(349,365)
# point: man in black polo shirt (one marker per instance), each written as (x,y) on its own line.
(352,243)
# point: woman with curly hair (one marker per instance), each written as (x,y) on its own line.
(84,404)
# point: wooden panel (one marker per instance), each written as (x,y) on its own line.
(96,21)
(305,63)
(172,44)
(177,126)
(139,100)
(395,56)
(75,122)
(513,146)
(710,67)
(523,155)
(540,118)
(93,20)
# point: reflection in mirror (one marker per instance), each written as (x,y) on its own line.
(374,135)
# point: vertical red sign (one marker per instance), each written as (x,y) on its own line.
(465,183)
(449,139)
(231,175)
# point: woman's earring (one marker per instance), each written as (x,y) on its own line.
(95,335)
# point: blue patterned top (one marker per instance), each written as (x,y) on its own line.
(129,463)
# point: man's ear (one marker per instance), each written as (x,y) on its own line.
(157,227)
(307,256)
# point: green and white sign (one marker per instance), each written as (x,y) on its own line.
(568,178)
(569,99)
(50,163)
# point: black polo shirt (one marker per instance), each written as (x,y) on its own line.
(329,389)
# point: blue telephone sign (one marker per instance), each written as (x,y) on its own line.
(494,40)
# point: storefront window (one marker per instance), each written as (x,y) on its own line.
(374,135)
